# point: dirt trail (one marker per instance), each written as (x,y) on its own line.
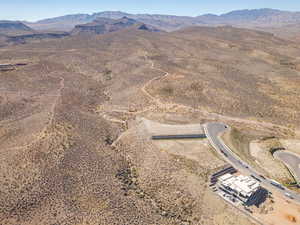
(167,106)
(160,104)
(144,88)
(156,100)
(51,118)
(111,119)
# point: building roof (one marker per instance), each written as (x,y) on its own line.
(240,184)
(225,177)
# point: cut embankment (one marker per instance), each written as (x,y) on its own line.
(259,154)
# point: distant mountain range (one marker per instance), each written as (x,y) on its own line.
(15,32)
(282,23)
(13,27)
(244,18)
(68,22)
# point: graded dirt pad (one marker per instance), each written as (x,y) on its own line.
(166,129)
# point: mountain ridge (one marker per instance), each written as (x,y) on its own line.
(103,25)
(246,17)
(13,27)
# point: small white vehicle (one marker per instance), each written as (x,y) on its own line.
(289,195)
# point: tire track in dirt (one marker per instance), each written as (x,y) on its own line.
(52,116)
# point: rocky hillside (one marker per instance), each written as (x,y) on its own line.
(291,31)
(22,39)
(106,25)
(14,27)
(14,32)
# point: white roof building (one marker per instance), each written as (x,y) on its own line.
(242,186)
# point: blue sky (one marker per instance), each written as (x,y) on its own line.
(38,9)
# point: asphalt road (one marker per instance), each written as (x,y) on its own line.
(213,132)
(291,160)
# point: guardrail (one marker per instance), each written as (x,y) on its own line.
(183,136)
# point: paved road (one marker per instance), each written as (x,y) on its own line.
(213,132)
(291,160)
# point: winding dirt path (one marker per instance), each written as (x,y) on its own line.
(160,104)
(168,106)
(51,118)
(157,101)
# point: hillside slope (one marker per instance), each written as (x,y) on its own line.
(233,71)
(14,27)
(61,115)
(105,25)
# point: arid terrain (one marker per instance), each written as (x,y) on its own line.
(77,117)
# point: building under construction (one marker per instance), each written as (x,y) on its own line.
(244,188)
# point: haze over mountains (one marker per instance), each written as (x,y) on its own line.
(249,18)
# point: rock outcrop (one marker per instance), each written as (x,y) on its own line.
(13,27)
(22,39)
(106,25)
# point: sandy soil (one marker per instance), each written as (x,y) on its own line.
(284,213)
(263,157)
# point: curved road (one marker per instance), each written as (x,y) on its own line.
(291,160)
(213,132)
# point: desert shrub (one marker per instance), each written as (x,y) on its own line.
(196,86)
(107,74)
(167,90)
